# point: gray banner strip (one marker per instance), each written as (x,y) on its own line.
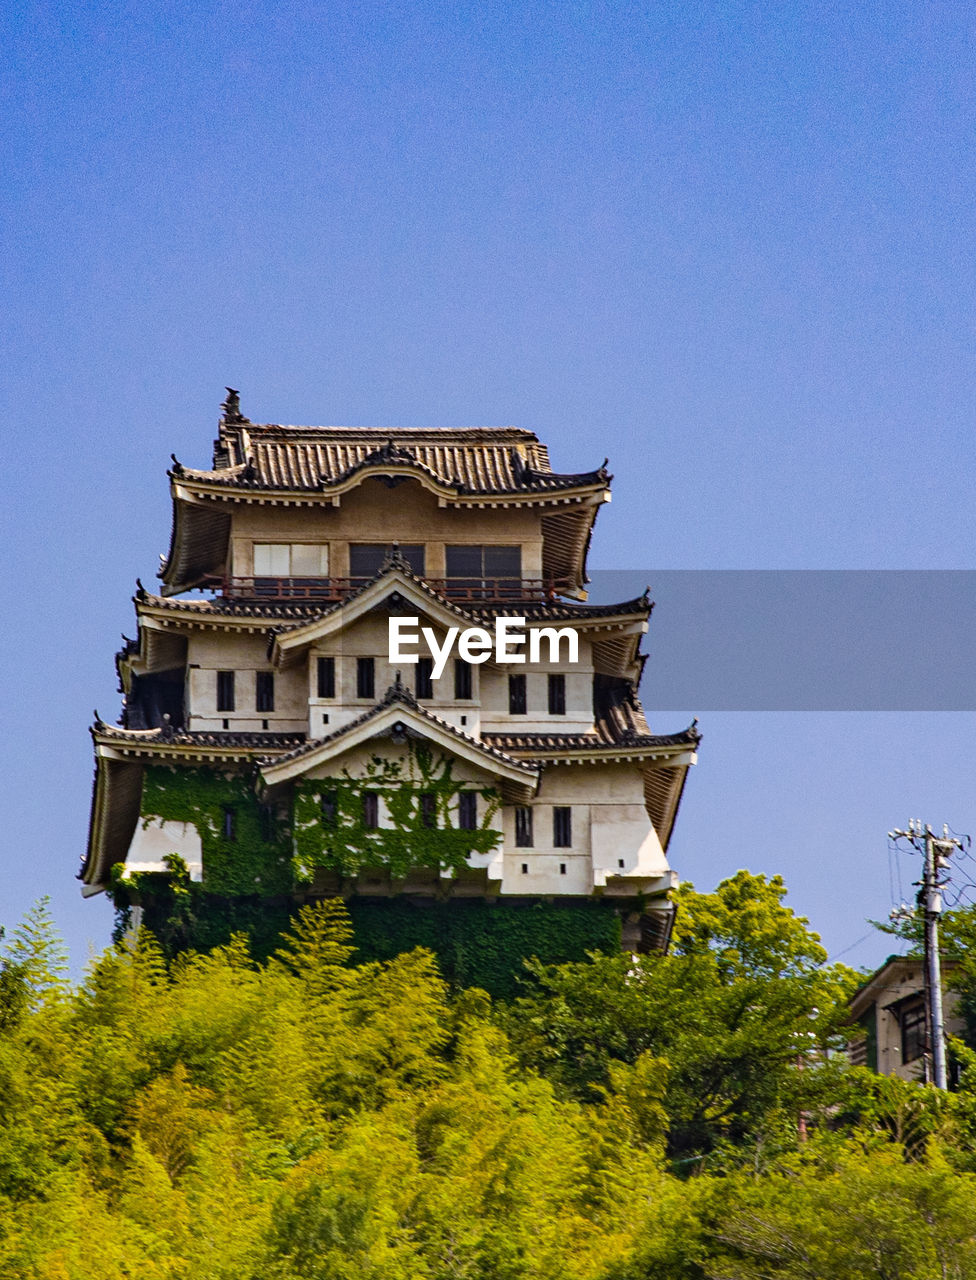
(804,639)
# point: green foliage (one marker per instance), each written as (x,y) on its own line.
(215,1117)
(484,944)
(732,1010)
(256,860)
(345,844)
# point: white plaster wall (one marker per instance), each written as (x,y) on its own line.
(245,655)
(154,839)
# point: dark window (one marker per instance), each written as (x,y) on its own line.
(264,691)
(484,567)
(423,678)
(523,827)
(229,827)
(557,695)
(562,827)
(225,691)
(468,810)
(484,562)
(326,675)
(330,809)
(525,868)
(365,678)
(371,810)
(366,558)
(562,868)
(428,809)
(913,1033)
(462,679)
(516,695)
(268,820)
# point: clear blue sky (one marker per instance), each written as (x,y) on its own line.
(730,245)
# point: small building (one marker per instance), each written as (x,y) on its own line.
(269,741)
(890,1010)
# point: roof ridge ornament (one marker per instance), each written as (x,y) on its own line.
(398,692)
(394,559)
(232,415)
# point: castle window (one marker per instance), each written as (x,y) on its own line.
(229,825)
(225,691)
(268,820)
(516,695)
(523,827)
(290,560)
(468,810)
(330,809)
(423,678)
(371,810)
(365,678)
(484,569)
(462,680)
(428,810)
(562,827)
(557,695)
(326,677)
(366,558)
(264,691)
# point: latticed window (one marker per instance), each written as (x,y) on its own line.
(516,696)
(365,678)
(462,679)
(523,827)
(330,809)
(424,677)
(326,677)
(264,690)
(371,810)
(557,695)
(225,691)
(468,811)
(562,826)
(428,809)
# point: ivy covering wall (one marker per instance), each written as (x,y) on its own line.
(258,865)
(420,827)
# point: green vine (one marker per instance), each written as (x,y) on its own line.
(330,829)
(254,858)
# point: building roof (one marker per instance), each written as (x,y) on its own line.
(476,460)
(310,466)
(399,699)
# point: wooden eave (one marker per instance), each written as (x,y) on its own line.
(116,797)
(199,541)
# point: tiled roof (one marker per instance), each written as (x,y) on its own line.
(195,738)
(292,611)
(549,742)
(470,460)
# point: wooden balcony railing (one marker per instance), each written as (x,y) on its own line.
(334,590)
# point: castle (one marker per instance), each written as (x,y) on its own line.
(272,750)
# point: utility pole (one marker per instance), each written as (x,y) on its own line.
(935,856)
